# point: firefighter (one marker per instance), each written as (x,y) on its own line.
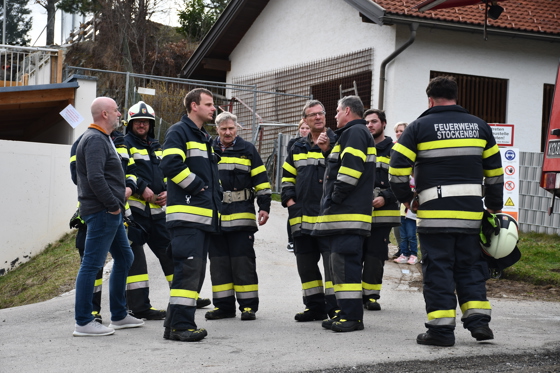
(456,162)
(345,216)
(302,186)
(147,203)
(232,256)
(385,215)
(77,222)
(192,213)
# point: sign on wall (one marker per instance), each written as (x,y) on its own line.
(510,163)
(503,133)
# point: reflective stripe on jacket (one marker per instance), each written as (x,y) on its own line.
(389,214)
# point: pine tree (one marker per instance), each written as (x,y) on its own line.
(18,22)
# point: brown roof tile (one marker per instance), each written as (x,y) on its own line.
(541,16)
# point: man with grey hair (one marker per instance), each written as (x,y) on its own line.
(345,217)
(232,256)
(302,185)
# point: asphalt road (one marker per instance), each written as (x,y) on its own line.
(38,337)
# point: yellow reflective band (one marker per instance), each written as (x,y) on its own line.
(174,151)
(400,171)
(312,284)
(372,151)
(139,151)
(296,220)
(98,282)
(169,278)
(400,148)
(383,159)
(130,161)
(475,304)
(309,219)
(258,170)
(183,293)
(454,143)
(224,287)
(336,149)
(449,214)
(386,213)
(73,159)
(350,172)
(158,153)
(490,152)
(137,278)
(196,145)
(345,217)
(348,287)
(235,160)
(442,314)
(262,186)
(315,155)
(494,172)
(189,210)
(289,180)
(329,285)
(367,286)
(355,152)
(181,176)
(241,215)
(124,151)
(291,169)
(245,288)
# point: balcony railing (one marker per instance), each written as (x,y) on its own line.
(21,66)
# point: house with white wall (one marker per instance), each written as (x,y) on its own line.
(505,70)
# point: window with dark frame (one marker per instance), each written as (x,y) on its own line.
(482,96)
(548,95)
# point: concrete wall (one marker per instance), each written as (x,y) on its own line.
(37,192)
(292,32)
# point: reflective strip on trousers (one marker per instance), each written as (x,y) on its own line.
(442,317)
(448,223)
(183,297)
(371,289)
(476,308)
(312,288)
(348,291)
(329,288)
(246,291)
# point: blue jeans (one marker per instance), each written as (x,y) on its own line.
(105,233)
(409,242)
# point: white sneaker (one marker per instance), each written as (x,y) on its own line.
(401,259)
(93,329)
(127,322)
(412,260)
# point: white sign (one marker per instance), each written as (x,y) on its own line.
(503,133)
(146,91)
(71,115)
(510,163)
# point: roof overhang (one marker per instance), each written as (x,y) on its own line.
(372,12)
(210,61)
(28,111)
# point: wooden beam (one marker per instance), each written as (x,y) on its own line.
(46,95)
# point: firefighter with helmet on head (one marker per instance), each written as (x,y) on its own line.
(147,203)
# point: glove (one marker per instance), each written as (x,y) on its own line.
(489,228)
(76,221)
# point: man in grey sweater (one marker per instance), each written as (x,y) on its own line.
(101,193)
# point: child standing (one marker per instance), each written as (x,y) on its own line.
(408,246)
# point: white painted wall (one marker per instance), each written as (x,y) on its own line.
(38,194)
(293,32)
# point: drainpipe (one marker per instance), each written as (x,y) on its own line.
(392,56)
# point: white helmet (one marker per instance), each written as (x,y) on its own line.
(502,241)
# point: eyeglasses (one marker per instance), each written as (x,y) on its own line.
(311,115)
(141,122)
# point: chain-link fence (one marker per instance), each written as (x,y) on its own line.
(165,95)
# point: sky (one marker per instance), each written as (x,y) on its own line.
(166,15)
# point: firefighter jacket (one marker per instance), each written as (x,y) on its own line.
(302,180)
(389,214)
(193,186)
(243,177)
(349,180)
(146,156)
(453,154)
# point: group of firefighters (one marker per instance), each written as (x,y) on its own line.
(195,197)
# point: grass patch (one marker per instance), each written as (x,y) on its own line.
(540,260)
(45,276)
(276,197)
